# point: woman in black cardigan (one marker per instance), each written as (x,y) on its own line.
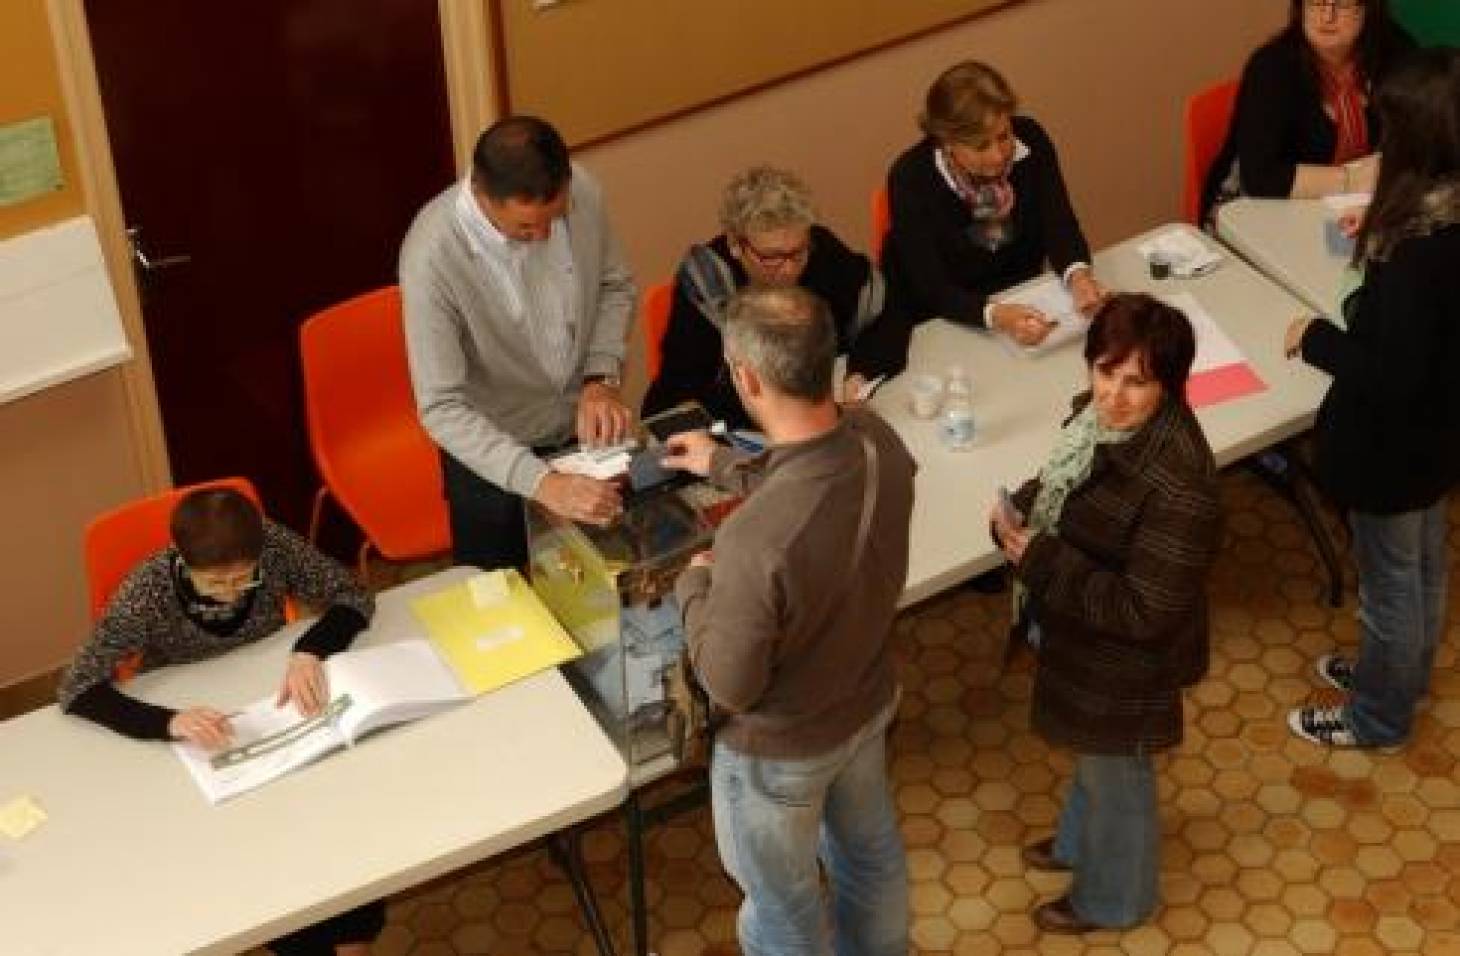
(770,237)
(1388,432)
(1304,124)
(979,205)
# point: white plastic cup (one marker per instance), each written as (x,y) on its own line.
(925,396)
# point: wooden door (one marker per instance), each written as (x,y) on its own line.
(270,156)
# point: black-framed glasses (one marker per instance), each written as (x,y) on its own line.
(1339,6)
(775,258)
(211,583)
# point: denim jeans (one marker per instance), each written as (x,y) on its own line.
(1109,832)
(774,818)
(1402,577)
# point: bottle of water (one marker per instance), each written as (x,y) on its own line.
(955,424)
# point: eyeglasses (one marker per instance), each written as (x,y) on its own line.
(774,258)
(216,582)
(1348,7)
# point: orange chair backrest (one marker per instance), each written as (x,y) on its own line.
(657,301)
(364,431)
(115,542)
(1208,117)
(881,222)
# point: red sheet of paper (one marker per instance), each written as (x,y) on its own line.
(1223,384)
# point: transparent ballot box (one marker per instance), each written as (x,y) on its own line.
(613,590)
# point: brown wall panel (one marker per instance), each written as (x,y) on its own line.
(602,66)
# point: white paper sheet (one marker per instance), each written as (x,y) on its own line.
(1053,299)
(1214,348)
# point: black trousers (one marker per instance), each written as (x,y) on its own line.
(488,524)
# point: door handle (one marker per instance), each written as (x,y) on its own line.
(146,264)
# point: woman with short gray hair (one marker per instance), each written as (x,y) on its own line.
(770,237)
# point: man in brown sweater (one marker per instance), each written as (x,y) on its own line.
(789,623)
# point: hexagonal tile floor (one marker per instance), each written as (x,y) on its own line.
(1271,846)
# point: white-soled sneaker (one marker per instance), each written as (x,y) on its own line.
(1337,671)
(1322,725)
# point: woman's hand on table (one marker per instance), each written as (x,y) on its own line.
(1087,292)
(1025,325)
(305,684)
(202,726)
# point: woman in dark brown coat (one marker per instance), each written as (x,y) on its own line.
(1123,524)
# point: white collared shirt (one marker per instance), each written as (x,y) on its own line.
(1021,152)
(537,278)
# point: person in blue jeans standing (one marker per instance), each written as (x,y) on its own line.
(1388,432)
(1111,544)
(788,624)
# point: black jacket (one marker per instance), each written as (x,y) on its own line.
(1279,122)
(1389,428)
(931,262)
(872,328)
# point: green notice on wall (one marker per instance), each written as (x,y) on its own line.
(1431,21)
(30,166)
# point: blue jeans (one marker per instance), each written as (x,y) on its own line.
(774,818)
(1110,834)
(1402,577)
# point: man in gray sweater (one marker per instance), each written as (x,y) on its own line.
(789,624)
(517,307)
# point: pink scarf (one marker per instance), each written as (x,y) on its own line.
(990,201)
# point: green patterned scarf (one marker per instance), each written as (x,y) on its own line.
(1068,465)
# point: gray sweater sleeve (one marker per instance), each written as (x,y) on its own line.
(436,349)
(616,292)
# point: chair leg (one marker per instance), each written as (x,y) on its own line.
(364,561)
(317,512)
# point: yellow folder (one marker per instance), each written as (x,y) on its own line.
(493,642)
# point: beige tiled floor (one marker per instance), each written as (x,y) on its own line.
(1271,846)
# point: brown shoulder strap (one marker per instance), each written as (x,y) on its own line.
(869,505)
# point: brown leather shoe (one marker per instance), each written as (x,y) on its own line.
(1058,916)
(1040,856)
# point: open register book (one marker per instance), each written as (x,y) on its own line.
(369,689)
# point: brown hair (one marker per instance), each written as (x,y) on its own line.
(1419,106)
(963,102)
(212,527)
(1138,324)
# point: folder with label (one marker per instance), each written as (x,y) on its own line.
(493,629)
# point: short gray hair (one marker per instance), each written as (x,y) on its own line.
(787,336)
(765,197)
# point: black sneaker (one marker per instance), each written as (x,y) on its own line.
(1337,671)
(1322,725)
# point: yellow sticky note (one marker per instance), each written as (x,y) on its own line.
(20,816)
(488,588)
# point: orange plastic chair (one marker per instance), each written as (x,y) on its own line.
(373,456)
(881,222)
(657,301)
(1208,117)
(115,542)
